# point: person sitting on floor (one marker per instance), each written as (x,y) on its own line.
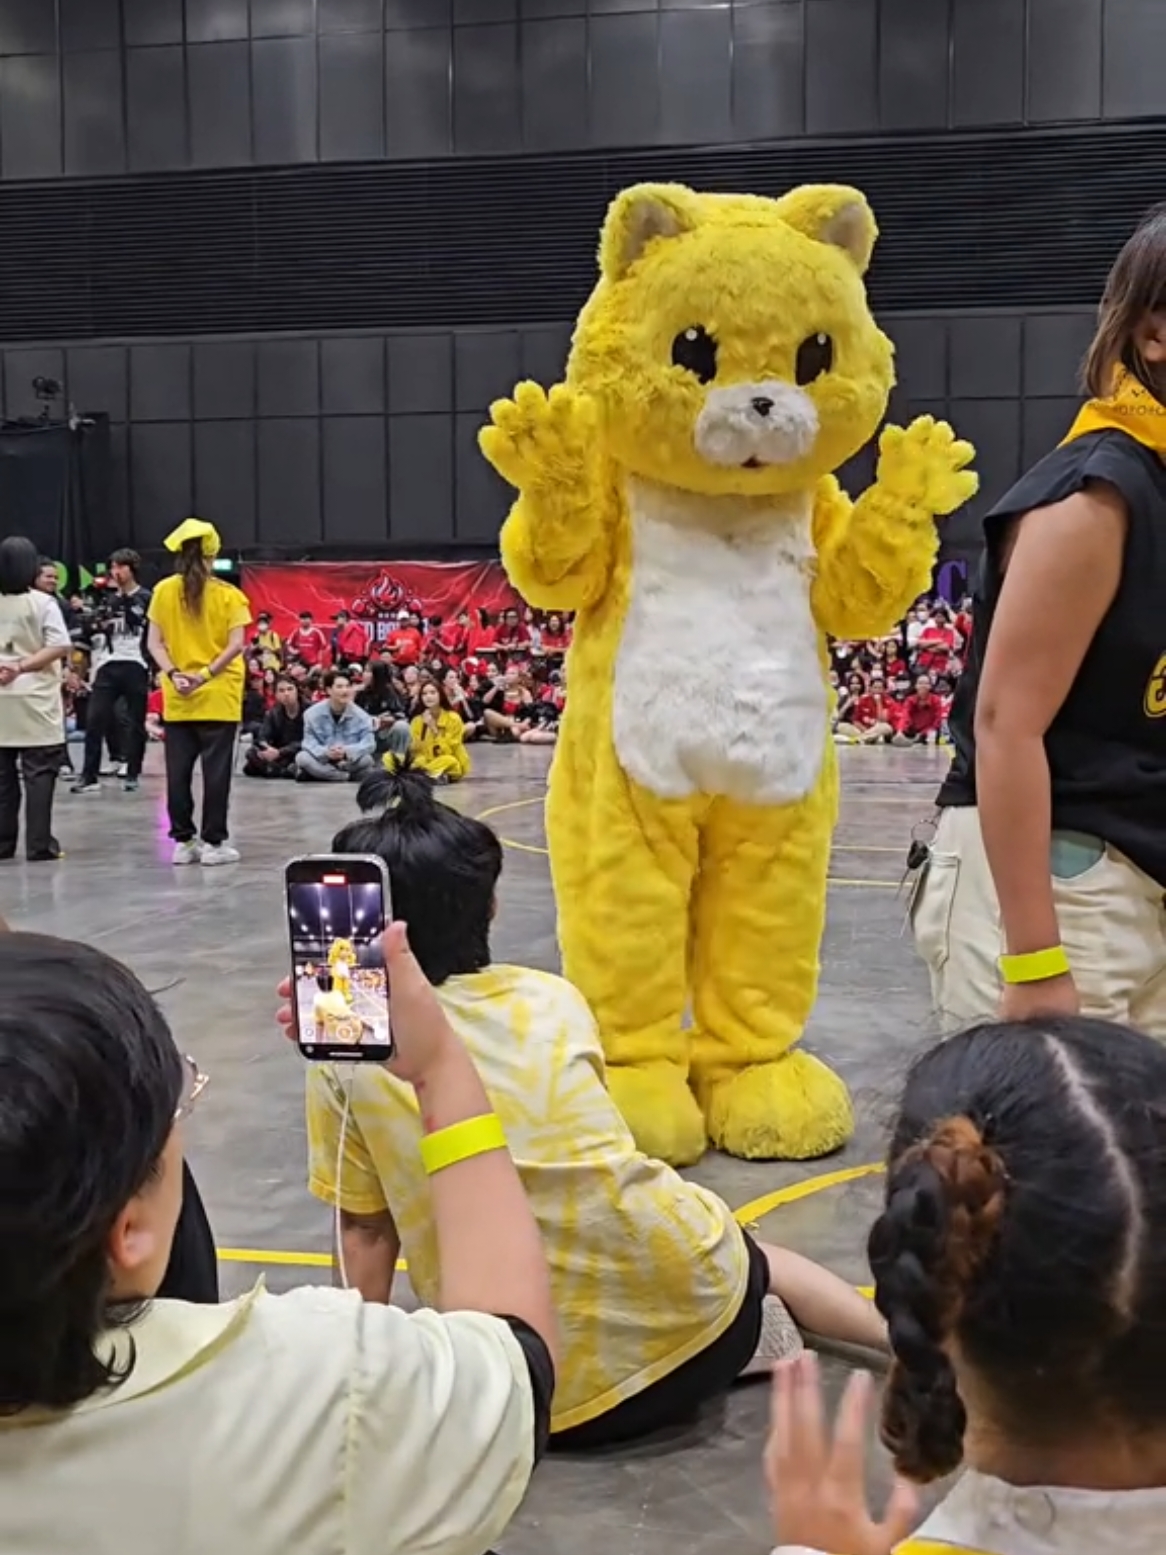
(339,739)
(275,748)
(661,1294)
(308,1421)
(438,738)
(1020,1262)
(386,707)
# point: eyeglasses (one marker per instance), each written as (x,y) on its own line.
(194,1082)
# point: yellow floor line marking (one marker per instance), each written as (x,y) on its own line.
(802,1190)
(747,1213)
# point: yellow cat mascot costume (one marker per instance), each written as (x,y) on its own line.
(677,492)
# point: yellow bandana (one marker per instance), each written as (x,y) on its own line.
(1131,409)
(194,529)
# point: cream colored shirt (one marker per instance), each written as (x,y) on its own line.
(308,1423)
(983,1514)
(31,710)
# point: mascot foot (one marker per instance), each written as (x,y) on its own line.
(790,1110)
(660,1110)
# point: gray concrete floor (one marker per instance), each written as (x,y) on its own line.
(215,942)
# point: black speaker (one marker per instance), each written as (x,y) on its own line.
(54,488)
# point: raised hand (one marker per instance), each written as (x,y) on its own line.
(924,466)
(817,1479)
(539,441)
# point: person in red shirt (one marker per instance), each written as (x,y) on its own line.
(556,637)
(403,643)
(308,643)
(920,717)
(936,643)
(869,719)
(350,640)
(482,637)
(512,636)
(453,638)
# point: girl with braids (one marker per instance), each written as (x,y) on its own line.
(197,628)
(1020,1262)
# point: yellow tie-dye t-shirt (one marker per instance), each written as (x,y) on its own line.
(647,1269)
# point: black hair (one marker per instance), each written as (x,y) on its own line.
(89,1083)
(194,569)
(286,680)
(125,557)
(1025,1229)
(333,675)
(325,982)
(443,868)
(19,565)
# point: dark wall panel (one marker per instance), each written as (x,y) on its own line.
(355,480)
(160,480)
(352,97)
(224,477)
(219,86)
(421,479)
(30,116)
(289,482)
(156,122)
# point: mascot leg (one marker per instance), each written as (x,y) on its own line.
(760,915)
(623,865)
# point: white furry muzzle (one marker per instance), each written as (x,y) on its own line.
(756,424)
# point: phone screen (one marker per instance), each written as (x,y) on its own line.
(337,911)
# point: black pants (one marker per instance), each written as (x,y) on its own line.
(37,766)
(189,742)
(284,766)
(193,1271)
(676,1398)
(117,680)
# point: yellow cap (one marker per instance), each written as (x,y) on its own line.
(195,529)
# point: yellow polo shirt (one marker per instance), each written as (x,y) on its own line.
(194,641)
(310,1422)
(646,1269)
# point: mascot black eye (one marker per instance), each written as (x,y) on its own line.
(815,357)
(696,351)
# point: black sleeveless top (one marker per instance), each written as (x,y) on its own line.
(1107,744)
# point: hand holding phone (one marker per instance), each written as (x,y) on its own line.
(337,910)
(422,1034)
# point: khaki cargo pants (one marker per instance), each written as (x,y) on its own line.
(1112,918)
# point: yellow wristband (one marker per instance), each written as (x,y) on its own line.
(1035,967)
(461,1141)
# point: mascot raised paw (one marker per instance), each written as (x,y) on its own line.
(678,492)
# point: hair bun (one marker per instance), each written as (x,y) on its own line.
(401,790)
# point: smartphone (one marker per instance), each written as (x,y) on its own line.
(337,910)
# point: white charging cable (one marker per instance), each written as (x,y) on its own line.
(337,1229)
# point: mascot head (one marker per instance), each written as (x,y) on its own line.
(729,344)
(341,951)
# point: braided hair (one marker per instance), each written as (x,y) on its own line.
(1024,1237)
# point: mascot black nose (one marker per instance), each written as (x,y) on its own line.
(761,405)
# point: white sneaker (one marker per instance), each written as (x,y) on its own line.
(222,853)
(187,852)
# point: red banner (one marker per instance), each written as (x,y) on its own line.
(374,592)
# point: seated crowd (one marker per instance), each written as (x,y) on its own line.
(325,706)
(897,690)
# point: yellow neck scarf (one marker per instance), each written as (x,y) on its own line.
(1131,409)
(925,1547)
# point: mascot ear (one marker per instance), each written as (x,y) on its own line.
(835,214)
(637,217)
